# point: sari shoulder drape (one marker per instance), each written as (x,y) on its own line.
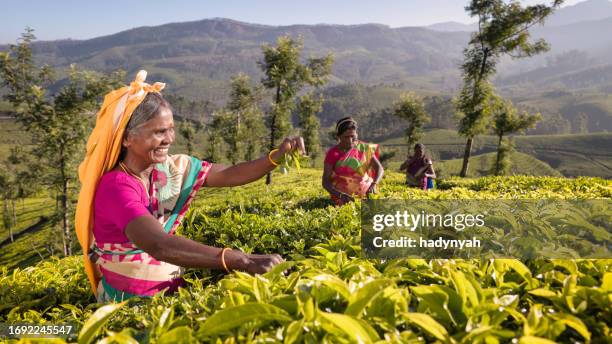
(127,270)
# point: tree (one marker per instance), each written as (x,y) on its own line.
(411,109)
(214,134)
(286,76)
(307,109)
(16,178)
(243,120)
(442,112)
(507,121)
(581,123)
(7,192)
(188,132)
(58,123)
(503,29)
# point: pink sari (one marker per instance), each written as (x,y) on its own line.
(352,170)
(128,271)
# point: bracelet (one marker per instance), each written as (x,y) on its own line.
(223,258)
(270,157)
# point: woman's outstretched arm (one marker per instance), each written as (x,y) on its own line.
(249,171)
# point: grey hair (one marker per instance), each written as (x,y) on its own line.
(149,108)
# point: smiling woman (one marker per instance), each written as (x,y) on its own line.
(134,196)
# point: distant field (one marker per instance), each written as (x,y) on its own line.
(596,106)
(30,233)
(480,165)
(571,155)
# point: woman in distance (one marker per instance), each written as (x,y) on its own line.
(351,168)
(419,168)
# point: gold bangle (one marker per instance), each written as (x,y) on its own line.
(223,258)
(270,157)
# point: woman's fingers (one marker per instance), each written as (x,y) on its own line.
(299,144)
(291,144)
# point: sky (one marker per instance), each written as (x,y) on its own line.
(78,19)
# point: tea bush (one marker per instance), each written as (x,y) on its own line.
(326,292)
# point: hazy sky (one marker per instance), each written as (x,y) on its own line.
(78,19)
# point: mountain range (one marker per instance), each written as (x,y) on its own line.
(198,58)
(580,12)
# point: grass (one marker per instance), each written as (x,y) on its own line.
(28,212)
(29,247)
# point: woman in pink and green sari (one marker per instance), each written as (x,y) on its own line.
(134,195)
(351,167)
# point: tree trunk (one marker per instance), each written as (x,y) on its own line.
(468,145)
(66,220)
(273,132)
(67,242)
(6,217)
(466,157)
(497,160)
(14,219)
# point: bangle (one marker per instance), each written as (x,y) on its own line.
(223,258)
(270,157)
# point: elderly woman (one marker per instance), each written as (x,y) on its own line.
(419,168)
(351,168)
(134,196)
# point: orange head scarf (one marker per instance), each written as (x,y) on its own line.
(103,148)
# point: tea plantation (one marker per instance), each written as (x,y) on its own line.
(326,292)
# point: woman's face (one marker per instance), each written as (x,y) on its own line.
(150,142)
(348,139)
(418,152)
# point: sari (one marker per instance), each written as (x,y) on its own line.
(126,270)
(102,152)
(415,173)
(352,171)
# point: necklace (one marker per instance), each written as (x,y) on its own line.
(128,171)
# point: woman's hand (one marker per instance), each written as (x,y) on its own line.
(344,198)
(288,146)
(371,189)
(262,263)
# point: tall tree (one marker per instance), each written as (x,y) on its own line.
(307,108)
(411,109)
(503,29)
(58,123)
(286,76)
(245,129)
(506,121)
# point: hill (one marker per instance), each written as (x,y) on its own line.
(583,11)
(208,52)
(197,58)
(588,10)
